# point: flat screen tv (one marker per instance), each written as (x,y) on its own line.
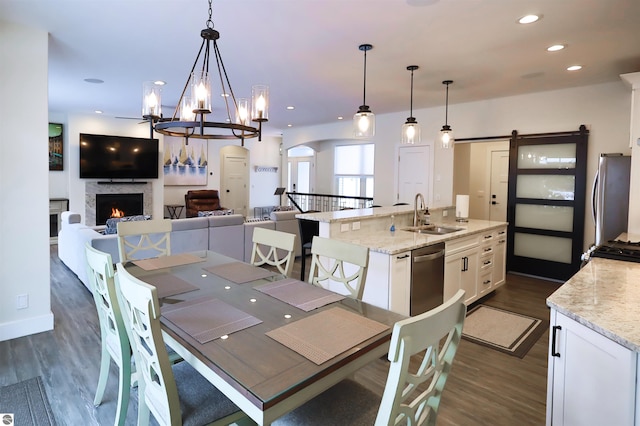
(118,157)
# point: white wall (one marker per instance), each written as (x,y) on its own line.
(603,108)
(24,222)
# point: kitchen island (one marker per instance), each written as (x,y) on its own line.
(594,343)
(474,253)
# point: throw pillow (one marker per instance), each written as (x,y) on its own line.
(221,212)
(112,222)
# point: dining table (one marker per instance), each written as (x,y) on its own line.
(268,342)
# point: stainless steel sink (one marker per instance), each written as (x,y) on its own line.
(433,229)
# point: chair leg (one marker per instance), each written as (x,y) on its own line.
(105,362)
(124,390)
(143,409)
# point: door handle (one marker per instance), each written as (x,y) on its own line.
(495,202)
(228,190)
(553,340)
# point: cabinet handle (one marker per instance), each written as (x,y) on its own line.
(486,237)
(501,242)
(501,232)
(553,340)
(465,264)
(402,257)
(487,282)
(487,262)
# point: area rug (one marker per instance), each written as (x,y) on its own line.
(502,330)
(27,403)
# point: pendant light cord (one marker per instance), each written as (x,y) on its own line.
(364,88)
(411,102)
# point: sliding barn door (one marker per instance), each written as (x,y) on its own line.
(546,203)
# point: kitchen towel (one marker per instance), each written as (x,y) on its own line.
(462,206)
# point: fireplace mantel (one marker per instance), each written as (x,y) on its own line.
(93,188)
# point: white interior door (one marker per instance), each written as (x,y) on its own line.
(414,173)
(234,193)
(499,185)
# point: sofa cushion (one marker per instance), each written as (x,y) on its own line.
(112,222)
(226,220)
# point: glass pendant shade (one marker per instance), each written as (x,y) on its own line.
(446,137)
(242,113)
(201,92)
(186,109)
(260,103)
(151,100)
(410,132)
(364,124)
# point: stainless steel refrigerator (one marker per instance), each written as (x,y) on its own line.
(610,196)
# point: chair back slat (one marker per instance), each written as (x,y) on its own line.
(144,239)
(332,262)
(274,248)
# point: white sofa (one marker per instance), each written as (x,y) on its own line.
(228,235)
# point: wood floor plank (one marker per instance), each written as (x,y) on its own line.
(485,387)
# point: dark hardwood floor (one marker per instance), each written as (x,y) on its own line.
(485,387)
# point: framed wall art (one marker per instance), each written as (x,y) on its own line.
(55,146)
(185,164)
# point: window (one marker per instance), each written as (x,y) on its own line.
(353,170)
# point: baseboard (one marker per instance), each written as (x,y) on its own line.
(26,327)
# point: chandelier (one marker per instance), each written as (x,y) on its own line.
(190,118)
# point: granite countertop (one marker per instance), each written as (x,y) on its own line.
(400,241)
(605,297)
(351,214)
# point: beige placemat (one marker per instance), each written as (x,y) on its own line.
(207,319)
(239,272)
(167,261)
(168,285)
(300,294)
(326,334)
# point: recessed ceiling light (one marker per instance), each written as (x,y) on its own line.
(159,83)
(556,47)
(290,107)
(529,19)
(289,125)
(340,118)
(94,80)
(224,95)
(98,111)
(574,68)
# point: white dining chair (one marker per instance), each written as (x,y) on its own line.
(328,260)
(274,248)
(144,239)
(413,391)
(175,394)
(113,335)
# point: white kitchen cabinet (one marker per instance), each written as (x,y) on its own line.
(499,257)
(388,282)
(461,267)
(591,379)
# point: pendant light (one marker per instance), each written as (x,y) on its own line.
(364,121)
(446,134)
(411,129)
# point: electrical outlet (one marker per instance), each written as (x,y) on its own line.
(22,301)
(344,227)
(445,213)
(355,226)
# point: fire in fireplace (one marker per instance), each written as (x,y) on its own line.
(118,205)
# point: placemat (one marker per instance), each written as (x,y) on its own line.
(207,319)
(168,285)
(326,334)
(302,295)
(239,272)
(167,261)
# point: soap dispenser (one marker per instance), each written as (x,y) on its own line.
(393,224)
(427,216)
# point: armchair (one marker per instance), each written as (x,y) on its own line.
(201,200)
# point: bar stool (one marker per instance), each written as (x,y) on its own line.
(308,229)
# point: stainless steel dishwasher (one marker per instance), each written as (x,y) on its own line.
(427,278)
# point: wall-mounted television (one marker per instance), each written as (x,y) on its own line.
(118,157)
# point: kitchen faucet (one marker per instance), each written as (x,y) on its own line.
(417,218)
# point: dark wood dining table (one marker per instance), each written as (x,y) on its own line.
(260,374)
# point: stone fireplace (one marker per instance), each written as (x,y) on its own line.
(118,205)
(114,191)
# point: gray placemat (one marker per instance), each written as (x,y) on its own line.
(302,295)
(207,319)
(168,285)
(326,334)
(167,261)
(239,272)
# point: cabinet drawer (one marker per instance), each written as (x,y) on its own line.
(486,237)
(485,281)
(486,263)
(486,251)
(460,244)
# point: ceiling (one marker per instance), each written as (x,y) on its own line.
(307,50)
